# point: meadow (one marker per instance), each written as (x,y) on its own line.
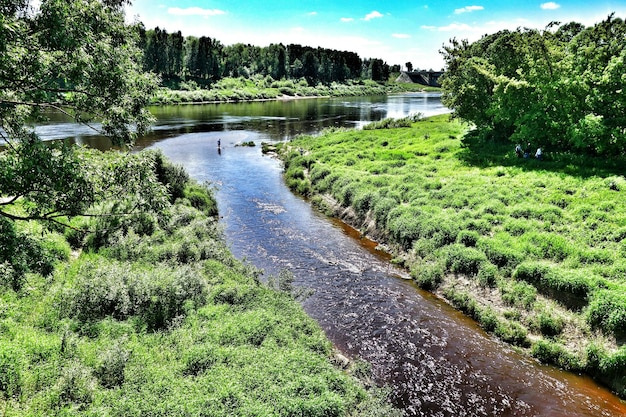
(152,315)
(534,250)
(266,88)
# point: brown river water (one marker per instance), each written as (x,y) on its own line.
(437,361)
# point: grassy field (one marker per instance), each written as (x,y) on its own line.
(156,318)
(260,88)
(534,250)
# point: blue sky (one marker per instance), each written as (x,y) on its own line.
(397,31)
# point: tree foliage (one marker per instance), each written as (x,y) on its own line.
(207,60)
(560,88)
(74,57)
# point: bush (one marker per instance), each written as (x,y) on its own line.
(554,353)
(468,238)
(548,324)
(571,288)
(487,275)
(174,177)
(428,275)
(109,289)
(112,364)
(607,311)
(10,372)
(201,199)
(519,294)
(463,260)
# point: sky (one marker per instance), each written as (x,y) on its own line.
(397,31)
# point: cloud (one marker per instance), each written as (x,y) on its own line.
(373,15)
(194,11)
(468,9)
(346,19)
(401,36)
(312,14)
(550,6)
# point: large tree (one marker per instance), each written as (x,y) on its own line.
(561,87)
(77,57)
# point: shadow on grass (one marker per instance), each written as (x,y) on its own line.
(484,153)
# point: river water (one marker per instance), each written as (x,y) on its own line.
(438,362)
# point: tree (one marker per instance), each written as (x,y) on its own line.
(409,66)
(77,57)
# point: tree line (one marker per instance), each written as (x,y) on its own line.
(560,88)
(206,60)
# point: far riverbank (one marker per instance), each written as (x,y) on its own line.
(235,90)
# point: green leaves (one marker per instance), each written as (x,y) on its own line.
(559,89)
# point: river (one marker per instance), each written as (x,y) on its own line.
(438,362)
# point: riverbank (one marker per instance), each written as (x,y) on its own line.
(233,90)
(527,248)
(150,314)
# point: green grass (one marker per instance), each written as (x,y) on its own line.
(160,321)
(265,88)
(452,206)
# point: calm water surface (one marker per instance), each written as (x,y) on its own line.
(438,362)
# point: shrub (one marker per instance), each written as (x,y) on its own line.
(519,294)
(10,372)
(468,238)
(428,275)
(554,353)
(571,288)
(109,289)
(76,385)
(607,311)
(463,260)
(548,323)
(382,207)
(487,275)
(174,177)
(201,199)
(500,253)
(111,366)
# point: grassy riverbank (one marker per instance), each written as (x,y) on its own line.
(535,251)
(265,88)
(151,315)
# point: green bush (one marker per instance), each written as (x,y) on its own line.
(10,371)
(102,288)
(468,238)
(607,311)
(554,353)
(174,177)
(428,275)
(571,288)
(201,199)
(487,275)
(463,260)
(548,323)
(519,294)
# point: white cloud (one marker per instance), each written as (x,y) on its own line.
(550,6)
(401,36)
(373,15)
(468,9)
(194,11)
(312,14)
(346,19)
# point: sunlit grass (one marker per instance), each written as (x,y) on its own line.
(455,206)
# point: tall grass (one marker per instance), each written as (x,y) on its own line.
(160,321)
(454,205)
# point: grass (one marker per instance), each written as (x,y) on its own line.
(468,217)
(160,321)
(266,88)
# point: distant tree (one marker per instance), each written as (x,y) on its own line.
(409,66)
